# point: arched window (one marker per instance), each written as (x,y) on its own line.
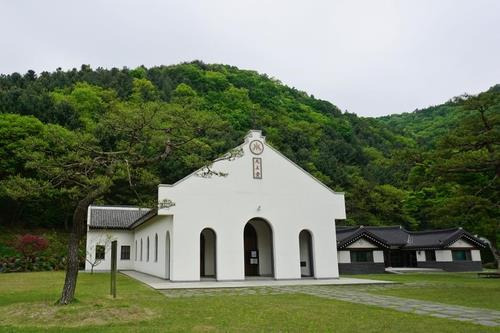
(147,250)
(135,250)
(141,249)
(156,247)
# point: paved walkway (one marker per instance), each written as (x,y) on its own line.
(358,295)
(344,289)
(158,283)
(455,312)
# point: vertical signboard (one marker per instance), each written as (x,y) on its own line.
(257,168)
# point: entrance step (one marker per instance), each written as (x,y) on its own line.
(403,270)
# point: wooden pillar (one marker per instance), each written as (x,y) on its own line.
(113,268)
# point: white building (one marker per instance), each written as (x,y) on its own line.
(266,217)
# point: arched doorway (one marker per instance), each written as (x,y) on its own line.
(258,245)
(306,254)
(207,253)
(167,256)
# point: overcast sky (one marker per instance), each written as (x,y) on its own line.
(369,57)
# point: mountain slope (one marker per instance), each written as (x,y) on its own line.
(370,159)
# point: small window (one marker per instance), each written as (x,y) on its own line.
(361,256)
(430,255)
(156,247)
(125,252)
(147,250)
(100,250)
(135,252)
(461,255)
(141,249)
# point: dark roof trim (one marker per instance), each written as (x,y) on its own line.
(94,227)
(143,219)
(414,240)
(362,233)
(464,234)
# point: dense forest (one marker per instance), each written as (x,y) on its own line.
(433,168)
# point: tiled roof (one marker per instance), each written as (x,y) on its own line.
(115,217)
(346,236)
(440,238)
(393,235)
(398,237)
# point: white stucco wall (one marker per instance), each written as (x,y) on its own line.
(420,256)
(158,225)
(361,244)
(344,257)
(475,255)
(99,237)
(287,197)
(460,243)
(443,255)
(378,256)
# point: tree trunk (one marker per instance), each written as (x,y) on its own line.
(496,254)
(72,265)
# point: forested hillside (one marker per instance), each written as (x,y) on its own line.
(432,168)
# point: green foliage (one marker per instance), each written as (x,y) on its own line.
(51,258)
(436,167)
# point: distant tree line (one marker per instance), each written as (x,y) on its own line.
(432,168)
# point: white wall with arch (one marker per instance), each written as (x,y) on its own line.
(287,197)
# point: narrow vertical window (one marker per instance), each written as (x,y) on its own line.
(100,250)
(125,252)
(141,249)
(156,247)
(147,249)
(135,252)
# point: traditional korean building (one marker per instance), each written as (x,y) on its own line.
(373,249)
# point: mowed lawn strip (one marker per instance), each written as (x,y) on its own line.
(464,289)
(27,305)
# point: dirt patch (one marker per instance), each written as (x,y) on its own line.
(47,314)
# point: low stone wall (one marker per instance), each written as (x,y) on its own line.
(362,268)
(453,266)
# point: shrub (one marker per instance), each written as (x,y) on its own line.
(490,265)
(30,252)
(30,245)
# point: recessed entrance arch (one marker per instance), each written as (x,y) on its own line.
(208,253)
(306,254)
(258,246)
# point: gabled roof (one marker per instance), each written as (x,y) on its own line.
(347,236)
(398,237)
(248,137)
(115,217)
(393,235)
(440,238)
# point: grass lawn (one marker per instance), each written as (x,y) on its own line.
(26,304)
(452,288)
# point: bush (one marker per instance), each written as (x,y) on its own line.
(35,253)
(490,265)
(30,245)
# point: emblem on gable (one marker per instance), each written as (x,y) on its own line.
(256,147)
